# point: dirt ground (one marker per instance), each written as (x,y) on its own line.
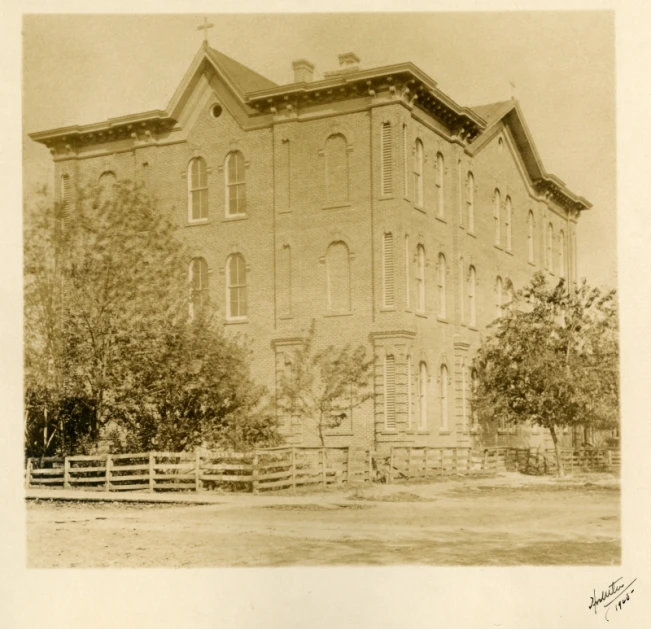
(509,520)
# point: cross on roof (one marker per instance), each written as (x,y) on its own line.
(205,28)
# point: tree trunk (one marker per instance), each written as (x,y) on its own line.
(557,449)
(320,426)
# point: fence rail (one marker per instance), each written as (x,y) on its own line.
(292,467)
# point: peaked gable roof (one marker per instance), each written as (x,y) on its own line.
(510,114)
(243,79)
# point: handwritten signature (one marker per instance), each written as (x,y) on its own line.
(614,594)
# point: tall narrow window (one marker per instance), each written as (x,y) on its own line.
(561,254)
(387,255)
(420,278)
(442,289)
(444,397)
(418,173)
(462,305)
(498,297)
(407,264)
(198,286)
(236,297)
(550,247)
(507,222)
(285,282)
(338,277)
(464,395)
(390,393)
(472,289)
(64,191)
(474,387)
(336,172)
(530,236)
(235,184)
(387,158)
(497,204)
(107,181)
(197,190)
(440,190)
(405,161)
(409,393)
(422,396)
(470,202)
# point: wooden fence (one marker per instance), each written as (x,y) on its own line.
(292,467)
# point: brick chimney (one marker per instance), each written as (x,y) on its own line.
(303,71)
(348,61)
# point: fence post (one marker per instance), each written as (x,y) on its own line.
(370,465)
(609,455)
(66,473)
(151,471)
(293,468)
(348,465)
(323,466)
(455,462)
(484,463)
(390,477)
(409,462)
(197,469)
(109,463)
(425,473)
(28,473)
(255,473)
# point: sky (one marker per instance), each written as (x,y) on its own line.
(80,69)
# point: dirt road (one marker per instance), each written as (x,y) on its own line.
(508,521)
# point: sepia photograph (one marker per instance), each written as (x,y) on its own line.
(344,298)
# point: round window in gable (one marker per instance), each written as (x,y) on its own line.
(216,111)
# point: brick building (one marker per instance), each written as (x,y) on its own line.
(368,201)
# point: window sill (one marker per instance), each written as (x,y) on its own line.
(442,319)
(336,206)
(509,251)
(339,314)
(420,209)
(530,263)
(498,246)
(473,328)
(388,309)
(285,317)
(236,321)
(473,234)
(386,197)
(441,219)
(445,431)
(418,431)
(203,221)
(235,217)
(421,314)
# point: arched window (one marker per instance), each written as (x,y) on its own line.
(236,298)
(507,222)
(441,283)
(420,278)
(198,286)
(444,397)
(561,254)
(235,184)
(336,171)
(470,201)
(472,290)
(418,173)
(422,395)
(498,297)
(338,277)
(409,393)
(440,192)
(407,274)
(388,271)
(550,247)
(197,189)
(530,236)
(497,204)
(390,393)
(107,181)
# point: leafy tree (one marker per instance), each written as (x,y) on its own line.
(552,360)
(109,337)
(322,387)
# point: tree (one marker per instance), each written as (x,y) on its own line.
(552,360)
(323,387)
(107,319)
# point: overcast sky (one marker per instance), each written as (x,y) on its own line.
(82,69)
